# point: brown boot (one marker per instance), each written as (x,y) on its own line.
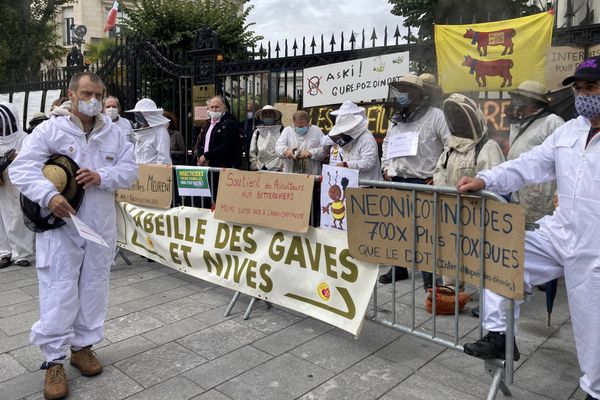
(55,383)
(85,360)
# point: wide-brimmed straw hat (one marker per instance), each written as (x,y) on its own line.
(278,113)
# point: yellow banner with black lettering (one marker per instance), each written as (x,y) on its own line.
(312,273)
(493,55)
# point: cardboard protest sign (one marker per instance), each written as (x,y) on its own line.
(153,187)
(333,195)
(287,112)
(383,224)
(359,80)
(376,113)
(274,200)
(192,181)
(312,273)
(561,61)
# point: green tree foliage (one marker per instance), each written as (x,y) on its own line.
(174,23)
(422,14)
(28,38)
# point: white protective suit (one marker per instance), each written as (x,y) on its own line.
(126,128)
(311,142)
(461,160)
(566,243)
(362,153)
(73,273)
(537,199)
(152,144)
(433,136)
(16,240)
(262,148)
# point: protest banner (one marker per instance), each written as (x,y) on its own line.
(152,188)
(192,181)
(287,112)
(562,62)
(493,55)
(359,80)
(335,181)
(376,115)
(273,200)
(311,273)
(383,223)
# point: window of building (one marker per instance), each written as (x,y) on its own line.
(68,22)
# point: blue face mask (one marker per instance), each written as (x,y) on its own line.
(268,121)
(301,131)
(403,99)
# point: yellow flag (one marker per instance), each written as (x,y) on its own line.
(493,55)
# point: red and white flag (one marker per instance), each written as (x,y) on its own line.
(111,21)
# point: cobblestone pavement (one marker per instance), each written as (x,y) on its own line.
(166,338)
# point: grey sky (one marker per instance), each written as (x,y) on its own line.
(289,19)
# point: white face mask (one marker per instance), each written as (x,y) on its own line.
(90,108)
(112,113)
(215,114)
(249,115)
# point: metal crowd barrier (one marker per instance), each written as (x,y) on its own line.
(501,370)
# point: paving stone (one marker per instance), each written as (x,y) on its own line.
(217,296)
(160,284)
(129,325)
(216,315)
(32,290)
(22,307)
(142,275)
(160,298)
(116,312)
(219,370)
(421,387)
(292,336)
(116,352)
(337,350)
(111,384)
(14,296)
(19,323)
(368,379)
(178,309)
(284,377)
(269,320)
(175,330)
(177,388)
(22,385)
(220,339)
(29,356)
(9,367)
(212,395)
(14,342)
(410,351)
(552,371)
(17,284)
(159,364)
(125,294)
(12,274)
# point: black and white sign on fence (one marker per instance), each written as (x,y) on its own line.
(359,80)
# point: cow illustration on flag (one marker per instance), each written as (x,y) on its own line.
(493,55)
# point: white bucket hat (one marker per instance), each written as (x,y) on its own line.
(531,89)
(345,123)
(349,107)
(146,105)
(278,113)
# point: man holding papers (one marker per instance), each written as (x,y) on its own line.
(73,272)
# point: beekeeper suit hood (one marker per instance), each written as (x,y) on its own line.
(348,127)
(11,134)
(152,143)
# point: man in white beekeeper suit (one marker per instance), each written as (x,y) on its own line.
(73,273)
(565,242)
(16,241)
(152,142)
(531,124)
(358,146)
(300,146)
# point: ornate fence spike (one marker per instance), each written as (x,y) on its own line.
(342,41)
(397,34)
(362,44)
(313,44)
(332,41)
(285,48)
(322,44)
(295,47)
(277,49)
(385,36)
(303,45)
(373,36)
(352,40)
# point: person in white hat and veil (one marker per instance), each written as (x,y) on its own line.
(359,148)
(530,124)
(262,146)
(16,241)
(152,142)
